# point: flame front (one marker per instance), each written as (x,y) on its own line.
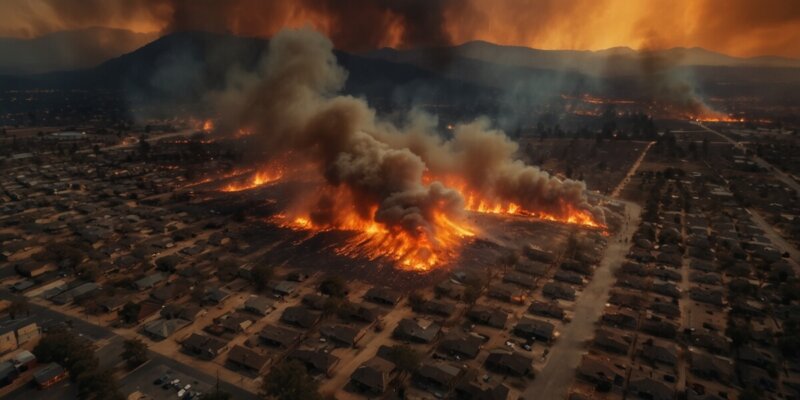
(419,251)
(572,216)
(259,178)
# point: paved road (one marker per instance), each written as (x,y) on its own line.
(631,172)
(777,240)
(553,381)
(760,161)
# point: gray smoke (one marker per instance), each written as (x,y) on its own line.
(291,102)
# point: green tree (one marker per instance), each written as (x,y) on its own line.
(262,274)
(333,286)
(405,358)
(416,300)
(135,352)
(98,385)
(289,380)
(130,312)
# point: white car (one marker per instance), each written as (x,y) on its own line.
(181,393)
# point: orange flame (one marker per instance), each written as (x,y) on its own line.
(260,178)
(419,251)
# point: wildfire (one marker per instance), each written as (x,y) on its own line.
(260,178)
(573,216)
(718,119)
(419,251)
(208,125)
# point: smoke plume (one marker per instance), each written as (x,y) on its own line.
(291,102)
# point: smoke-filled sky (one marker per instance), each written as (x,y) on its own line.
(735,27)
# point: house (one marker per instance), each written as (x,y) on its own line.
(451,289)
(509,363)
(170,292)
(759,358)
(536,253)
(363,312)
(188,312)
(297,276)
(8,340)
(205,347)
(243,358)
(577,266)
(601,371)
(315,361)
(530,328)
(612,341)
(76,292)
(259,305)
(710,367)
(569,277)
(709,296)
(657,351)
(149,282)
(420,331)
(23,360)
(282,288)
(532,268)
(546,309)
(382,295)
(34,269)
(658,326)
(488,316)
(161,329)
(668,309)
(476,390)
(347,336)
(300,316)
(49,375)
(621,317)
(627,299)
(278,336)
(216,296)
(438,307)
(8,373)
(113,303)
(461,346)
(711,341)
(520,279)
(645,387)
(555,290)
(437,377)
(374,375)
(236,323)
(508,293)
(315,301)
(666,289)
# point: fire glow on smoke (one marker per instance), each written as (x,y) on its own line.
(404,191)
(413,250)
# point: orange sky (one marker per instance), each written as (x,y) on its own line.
(736,27)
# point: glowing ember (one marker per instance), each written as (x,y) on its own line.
(208,125)
(421,251)
(260,178)
(572,216)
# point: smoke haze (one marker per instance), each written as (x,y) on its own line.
(404,175)
(736,27)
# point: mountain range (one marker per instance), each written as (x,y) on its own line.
(67,50)
(475,76)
